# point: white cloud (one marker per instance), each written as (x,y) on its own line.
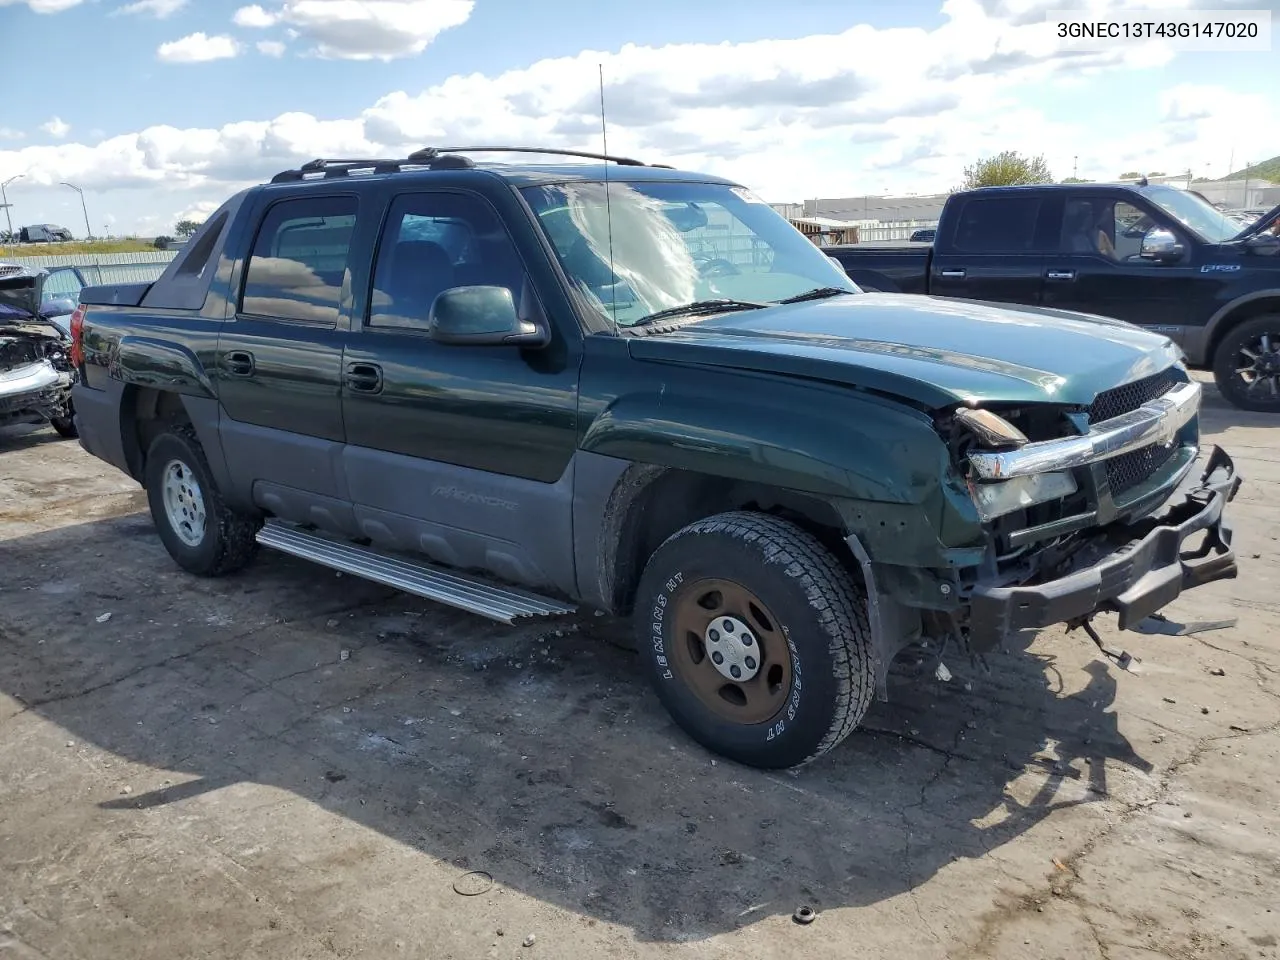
(863,110)
(253,16)
(371,30)
(8,133)
(56,128)
(271,48)
(198,48)
(44,6)
(197,212)
(160,9)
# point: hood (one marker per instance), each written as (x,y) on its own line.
(1262,223)
(19,291)
(935,351)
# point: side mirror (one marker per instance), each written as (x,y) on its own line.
(482,316)
(1161,246)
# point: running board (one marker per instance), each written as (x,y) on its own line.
(501,603)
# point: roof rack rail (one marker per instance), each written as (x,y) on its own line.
(426,154)
(337,168)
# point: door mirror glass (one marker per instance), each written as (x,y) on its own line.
(482,316)
(1161,245)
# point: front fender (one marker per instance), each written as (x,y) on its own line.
(823,441)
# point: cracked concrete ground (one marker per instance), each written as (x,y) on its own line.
(288,763)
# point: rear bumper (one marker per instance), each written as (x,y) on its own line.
(98,424)
(1143,568)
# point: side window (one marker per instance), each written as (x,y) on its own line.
(434,241)
(1103,227)
(997,225)
(298,269)
(61,285)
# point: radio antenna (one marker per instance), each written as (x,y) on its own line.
(608,208)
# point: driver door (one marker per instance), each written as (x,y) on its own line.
(463,453)
(1097,267)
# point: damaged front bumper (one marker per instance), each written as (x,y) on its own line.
(1133,570)
(33,391)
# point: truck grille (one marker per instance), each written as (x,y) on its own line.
(1131,469)
(1130,396)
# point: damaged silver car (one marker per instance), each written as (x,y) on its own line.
(36,374)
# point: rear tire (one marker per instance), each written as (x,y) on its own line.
(202,534)
(771,602)
(1252,347)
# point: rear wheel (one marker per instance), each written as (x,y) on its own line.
(1246,365)
(201,533)
(65,426)
(756,639)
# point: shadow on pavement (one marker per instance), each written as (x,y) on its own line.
(537,757)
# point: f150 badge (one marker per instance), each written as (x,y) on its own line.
(1220,268)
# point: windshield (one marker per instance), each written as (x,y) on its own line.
(16,295)
(1195,213)
(676,243)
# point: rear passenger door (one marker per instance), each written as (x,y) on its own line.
(463,453)
(993,249)
(279,357)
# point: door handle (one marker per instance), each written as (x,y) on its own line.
(239,363)
(954,273)
(1061,274)
(364,377)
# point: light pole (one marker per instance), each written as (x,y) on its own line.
(4,199)
(87,229)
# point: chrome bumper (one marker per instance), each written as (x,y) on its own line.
(1157,421)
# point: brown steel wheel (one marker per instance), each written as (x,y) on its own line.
(729,650)
(756,639)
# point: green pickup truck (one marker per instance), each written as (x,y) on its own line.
(539,388)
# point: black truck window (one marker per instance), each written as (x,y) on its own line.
(298,269)
(434,241)
(997,225)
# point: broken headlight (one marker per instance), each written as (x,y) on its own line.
(1000,497)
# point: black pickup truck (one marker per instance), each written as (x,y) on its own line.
(529,389)
(1149,254)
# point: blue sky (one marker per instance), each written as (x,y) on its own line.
(160,116)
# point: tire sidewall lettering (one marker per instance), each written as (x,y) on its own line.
(658,619)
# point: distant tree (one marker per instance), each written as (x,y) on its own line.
(185,228)
(1006,168)
(1131,175)
(1076,180)
(162,242)
(1157,173)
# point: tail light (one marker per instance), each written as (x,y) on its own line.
(77,333)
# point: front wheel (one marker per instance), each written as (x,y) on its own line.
(201,533)
(756,639)
(1246,365)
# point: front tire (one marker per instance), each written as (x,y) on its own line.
(756,639)
(1246,365)
(65,426)
(202,534)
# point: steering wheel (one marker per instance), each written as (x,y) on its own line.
(718,267)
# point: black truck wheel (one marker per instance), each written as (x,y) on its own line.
(755,638)
(65,426)
(1246,365)
(201,533)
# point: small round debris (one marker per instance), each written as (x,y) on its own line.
(473,884)
(805,914)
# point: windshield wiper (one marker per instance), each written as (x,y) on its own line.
(817,293)
(697,307)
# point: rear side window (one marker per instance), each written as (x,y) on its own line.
(299,268)
(997,225)
(61,285)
